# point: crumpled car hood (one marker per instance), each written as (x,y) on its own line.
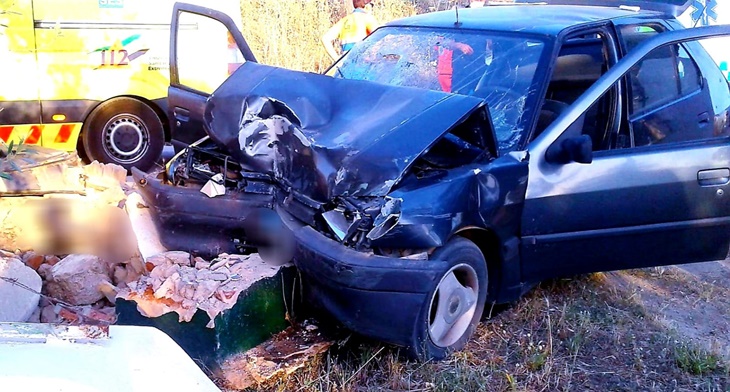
(327,137)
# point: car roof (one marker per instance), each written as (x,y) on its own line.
(535,18)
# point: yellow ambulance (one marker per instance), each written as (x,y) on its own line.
(93,74)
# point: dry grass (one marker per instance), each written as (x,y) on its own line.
(287,33)
(568,334)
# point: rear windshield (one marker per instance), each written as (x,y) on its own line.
(499,67)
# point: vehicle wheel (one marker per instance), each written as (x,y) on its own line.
(124,131)
(453,310)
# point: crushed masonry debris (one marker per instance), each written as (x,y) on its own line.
(65,276)
(179,283)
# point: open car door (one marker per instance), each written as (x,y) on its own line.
(639,203)
(205,48)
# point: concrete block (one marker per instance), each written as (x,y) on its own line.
(18,290)
(261,310)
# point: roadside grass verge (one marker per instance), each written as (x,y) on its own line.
(567,334)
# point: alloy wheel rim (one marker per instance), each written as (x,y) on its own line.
(453,305)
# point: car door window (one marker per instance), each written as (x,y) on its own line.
(206,53)
(583,58)
(666,95)
(669,103)
(690,78)
(666,75)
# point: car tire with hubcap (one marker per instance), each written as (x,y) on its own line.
(125,131)
(455,305)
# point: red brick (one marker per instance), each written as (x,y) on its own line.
(68,316)
(34,261)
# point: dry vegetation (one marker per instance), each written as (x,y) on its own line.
(287,33)
(566,335)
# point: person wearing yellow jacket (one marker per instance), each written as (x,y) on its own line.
(351,29)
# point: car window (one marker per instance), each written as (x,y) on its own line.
(582,59)
(207,53)
(666,95)
(655,80)
(690,78)
(498,67)
(665,75)
(632,35)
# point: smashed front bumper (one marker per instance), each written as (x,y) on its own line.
(189,220)
(376,296)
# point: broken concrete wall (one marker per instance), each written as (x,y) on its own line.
(212,309)
(51,205)
(73,259)
(63,208)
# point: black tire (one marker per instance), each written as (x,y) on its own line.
(459,312)
(125,131)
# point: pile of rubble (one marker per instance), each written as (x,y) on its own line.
(61,207)
(66,238)
(280,356)
(178,282)
(72,240)
(78,289)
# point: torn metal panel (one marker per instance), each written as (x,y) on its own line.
(298,127)
(476,195)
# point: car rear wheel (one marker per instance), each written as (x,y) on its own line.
(125,131)
(455,306)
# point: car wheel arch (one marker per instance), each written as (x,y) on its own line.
(490,245)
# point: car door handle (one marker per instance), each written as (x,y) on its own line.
(703,118)
(181,114)
(713,177)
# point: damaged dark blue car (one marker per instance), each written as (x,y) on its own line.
(452,160)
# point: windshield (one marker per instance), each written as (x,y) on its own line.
(498,67)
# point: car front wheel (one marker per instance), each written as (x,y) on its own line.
(454,308)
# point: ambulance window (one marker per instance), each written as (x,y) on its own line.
(206,53)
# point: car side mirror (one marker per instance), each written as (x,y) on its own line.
(573,149)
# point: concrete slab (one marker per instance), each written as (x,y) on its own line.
(143,225)
(44,357)
(261,310)
(19,290)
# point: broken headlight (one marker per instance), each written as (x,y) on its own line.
(387,219)
(357,222)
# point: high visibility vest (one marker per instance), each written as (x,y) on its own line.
(355,27)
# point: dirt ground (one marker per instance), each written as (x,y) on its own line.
(692,300)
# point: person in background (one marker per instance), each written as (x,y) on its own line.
(445,58)
(351,29)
